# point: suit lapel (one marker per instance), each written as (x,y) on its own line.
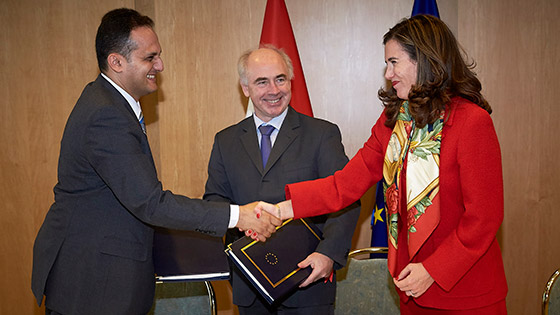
(287,134)
(119,100)
(251,143)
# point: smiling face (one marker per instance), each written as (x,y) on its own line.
(267,85)
(401,70)
(138,76)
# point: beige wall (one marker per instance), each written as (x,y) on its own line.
(515,45)
(47,55)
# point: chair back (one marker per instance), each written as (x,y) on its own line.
(184,298)
(365,286)
(551,295)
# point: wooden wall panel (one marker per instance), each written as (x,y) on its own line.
(48,52)
(513,44)
(199,94)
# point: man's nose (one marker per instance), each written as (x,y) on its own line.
(158,65)
(274,89)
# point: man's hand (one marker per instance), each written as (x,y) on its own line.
(322,267)
(414,280)
(282,210)
(261,225)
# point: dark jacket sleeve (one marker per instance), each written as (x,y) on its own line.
(115,152)
(339,227)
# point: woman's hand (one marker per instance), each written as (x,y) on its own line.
(414,280)
(258,227)
(282,210)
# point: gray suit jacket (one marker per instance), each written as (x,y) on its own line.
(93,253)
(306,148)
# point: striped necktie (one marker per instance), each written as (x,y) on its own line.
(142,122)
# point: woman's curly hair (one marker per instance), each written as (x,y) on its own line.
(442,72)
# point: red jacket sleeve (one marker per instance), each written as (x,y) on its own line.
(330,194)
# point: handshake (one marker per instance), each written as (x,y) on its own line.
(260,219)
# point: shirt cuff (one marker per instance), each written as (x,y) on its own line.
(233,216)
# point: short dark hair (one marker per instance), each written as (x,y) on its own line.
(113,34)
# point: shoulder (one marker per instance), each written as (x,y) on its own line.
(380,132)
(313,123)
(465,112)
(243,126)
(100,101)
(469,126)
(101,89)
(98,95)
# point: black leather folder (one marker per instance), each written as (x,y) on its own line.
(271,266)
(188,256)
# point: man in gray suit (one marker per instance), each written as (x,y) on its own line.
(93,253)
(303,148)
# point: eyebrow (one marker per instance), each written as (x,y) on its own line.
(259,79)
(154,53)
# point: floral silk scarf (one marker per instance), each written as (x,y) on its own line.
(420,148)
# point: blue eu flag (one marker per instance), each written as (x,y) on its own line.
(378,218)
(378,222)
(425,7)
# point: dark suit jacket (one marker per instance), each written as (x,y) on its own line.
(305,148)
(93,253)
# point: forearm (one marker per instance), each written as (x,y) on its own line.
(332,193)
(346,186)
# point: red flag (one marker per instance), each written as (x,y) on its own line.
(277,30)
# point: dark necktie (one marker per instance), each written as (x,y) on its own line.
(266,144)
(142,122)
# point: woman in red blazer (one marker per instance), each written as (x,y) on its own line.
(437,152)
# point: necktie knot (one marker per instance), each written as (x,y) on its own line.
(266,130)
(266,144)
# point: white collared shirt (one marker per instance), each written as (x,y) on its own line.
(276,122)
(135,105)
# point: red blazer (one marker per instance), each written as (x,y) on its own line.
(462,255)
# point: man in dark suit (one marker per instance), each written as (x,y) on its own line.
(93,253)
(303,148)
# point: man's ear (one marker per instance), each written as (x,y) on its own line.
(245,89)
(116,62)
